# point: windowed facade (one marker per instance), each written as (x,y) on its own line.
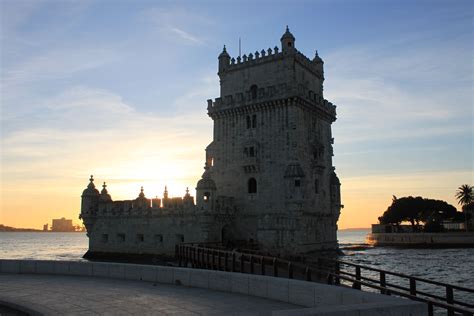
(251,121)
(252,185)
(316,186)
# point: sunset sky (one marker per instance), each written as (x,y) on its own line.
(118,89)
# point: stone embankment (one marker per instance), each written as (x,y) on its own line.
(428,240)
(52,287)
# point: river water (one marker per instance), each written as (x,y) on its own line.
(453,266)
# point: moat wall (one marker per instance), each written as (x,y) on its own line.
(458,239)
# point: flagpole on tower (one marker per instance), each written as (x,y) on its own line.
(240,46)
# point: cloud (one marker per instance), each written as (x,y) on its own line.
(175,24)
(56,64)
(85,130)
(398,95)
(186,36)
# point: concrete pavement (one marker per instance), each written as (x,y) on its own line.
(78,295)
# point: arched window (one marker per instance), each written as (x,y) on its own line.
(252,185)
(207,195)
(253,91)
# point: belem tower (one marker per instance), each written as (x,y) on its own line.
(268,180)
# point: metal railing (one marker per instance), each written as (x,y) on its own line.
(332,271)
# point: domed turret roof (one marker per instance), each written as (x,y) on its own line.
(90,190)
(224,53)
(317,59)
(287,35)
(206,183)
(104,195)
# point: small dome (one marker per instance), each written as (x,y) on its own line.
(141,195)
(91,190)
(104,195)
(317,59)
(224,53)
(294,170)
(206,184)
(287,35)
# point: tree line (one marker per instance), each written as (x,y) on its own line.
(430,212)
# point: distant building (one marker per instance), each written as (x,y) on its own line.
(62,225)
(45,227)
(448,225)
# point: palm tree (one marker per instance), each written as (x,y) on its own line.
(465,197)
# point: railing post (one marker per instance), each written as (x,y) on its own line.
(412,287)
(337,270)
(199,257)
(356,284)
(450,299)
(383,282)
(185,256)
(262,262)
(226,264)
(251,264)
(208,263)
(290,270)
(307,273)
(320,268)
(275,267)
(193,257)
(242,267)
(213,260)
(430,309)
(179,254)
(233,262)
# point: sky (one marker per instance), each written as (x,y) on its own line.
(118,89)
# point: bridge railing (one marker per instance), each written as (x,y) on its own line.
(455,300)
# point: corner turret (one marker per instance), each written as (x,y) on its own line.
(104,194)
(205,191)
(89,204)
(287,41)
(224,61)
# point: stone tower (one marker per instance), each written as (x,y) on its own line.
(272,150)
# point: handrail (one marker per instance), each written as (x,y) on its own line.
(323,270)
(457,287)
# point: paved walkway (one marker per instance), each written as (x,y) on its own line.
(69,295)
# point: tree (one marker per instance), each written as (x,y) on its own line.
(464,195)
(416,210)
(465,198)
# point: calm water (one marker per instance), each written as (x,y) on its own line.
(454,266)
